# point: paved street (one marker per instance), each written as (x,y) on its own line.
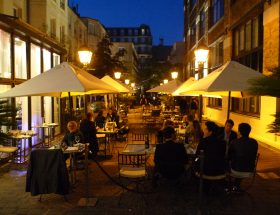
(262,198)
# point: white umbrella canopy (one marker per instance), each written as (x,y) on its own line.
(232,77)
(121,87)
(184,86)
(168,88)
(60,81)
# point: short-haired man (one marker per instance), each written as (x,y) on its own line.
(170,157)
(227,134)
(242,154)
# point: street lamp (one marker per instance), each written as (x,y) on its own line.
(174,74)
(85,55)
(126,81)
(201,57)
(132,85)
(117,75)
(165,81)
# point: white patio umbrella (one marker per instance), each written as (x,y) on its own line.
(184,86)
(231,79)
(121,87)
(60,81)
(168,88)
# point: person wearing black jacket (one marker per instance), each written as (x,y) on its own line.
(227,134)
(242,153)
(170,157)
(87,127)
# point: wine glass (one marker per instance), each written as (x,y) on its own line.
(77,139)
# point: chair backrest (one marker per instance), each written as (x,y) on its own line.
(133,160)
(140,137)
(155,113)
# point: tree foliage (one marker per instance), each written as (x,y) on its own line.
(269,86)
(103,61)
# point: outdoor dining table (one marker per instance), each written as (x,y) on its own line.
(49,127)
(108,134)
(72,150)
(137,149)
(20,139)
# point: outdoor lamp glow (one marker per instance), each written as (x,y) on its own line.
(117,75)
(85,55)
(201,54)
(174,75)
(126,81)
(132,84)
(165,81)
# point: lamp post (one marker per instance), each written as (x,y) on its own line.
(126,81)
(201,56)
(85,56)
(132,85)
(117,75)
(174,75)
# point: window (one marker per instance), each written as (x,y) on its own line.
(62,4)
(20,58)
(193,35)
(122,32)
(202,24)
(136,32)
(192,4)
(216,54)
(62,34)
(129,32)
(143,31)
(215,102)
(248,50)
(53,28)
(5,54)
(17,12)
(91,28)
(217,10)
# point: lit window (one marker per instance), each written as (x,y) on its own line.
(5,53)
(20,59)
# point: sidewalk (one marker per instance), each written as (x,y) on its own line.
(262,198)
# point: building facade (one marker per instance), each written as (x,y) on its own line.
(26,52)
(141,37)
(246,31)
(129,59)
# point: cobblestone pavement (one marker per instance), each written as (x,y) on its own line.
(168,198)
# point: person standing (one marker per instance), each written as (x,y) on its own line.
(88,129)
(242,154)
(143,102)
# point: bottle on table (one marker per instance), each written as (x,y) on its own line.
(147,143)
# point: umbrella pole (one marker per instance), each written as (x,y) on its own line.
(229,98)
(70,105)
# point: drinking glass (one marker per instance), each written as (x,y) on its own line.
(77,139)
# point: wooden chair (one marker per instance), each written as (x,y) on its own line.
(140,137)
(132,167)
(247,175)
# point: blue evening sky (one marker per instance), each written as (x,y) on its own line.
(165,17)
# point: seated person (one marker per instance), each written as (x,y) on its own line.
(170,157)
(112,116)
(214,154)
(165,124)
(72,136)
(100,119)
(242,154)
(69,138)
(227,134)
(88,130)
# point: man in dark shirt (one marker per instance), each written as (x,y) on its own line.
(87,127)
(226,134)
(170,157)
(242,154)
